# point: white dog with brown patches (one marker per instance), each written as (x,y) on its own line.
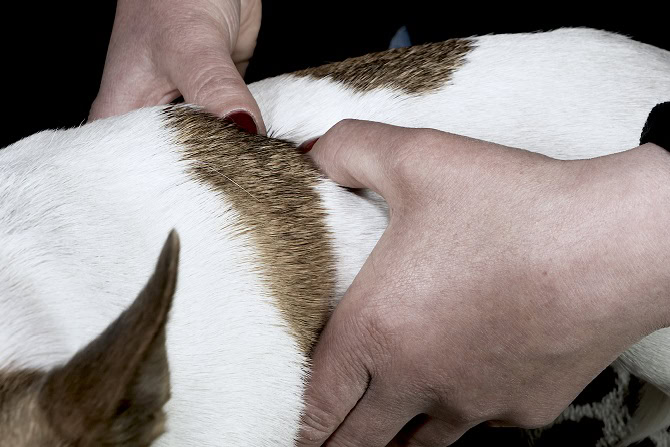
(268,244)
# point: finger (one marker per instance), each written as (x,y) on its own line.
(375,420)
(250,24)
(127,92)
(427,431)
(129,81)
(339,378)
(365,154)
(209,78)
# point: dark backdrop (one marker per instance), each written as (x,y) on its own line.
(53,52)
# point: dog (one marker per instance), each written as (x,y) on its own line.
(215,348)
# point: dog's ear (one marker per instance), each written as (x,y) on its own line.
(112,392)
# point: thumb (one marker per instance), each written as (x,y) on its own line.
(366,154)
(212,81)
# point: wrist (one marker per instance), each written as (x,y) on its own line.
(639,240)
(611,249)
(655,189)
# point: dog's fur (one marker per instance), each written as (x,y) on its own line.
(269,245)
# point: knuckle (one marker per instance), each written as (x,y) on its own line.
(333,140)
(378,328)
(406,158)
(211,82)
(342,128)
(382,336)
(367,348)
(316,426)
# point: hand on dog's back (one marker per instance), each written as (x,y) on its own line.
(162,49)
(503,284)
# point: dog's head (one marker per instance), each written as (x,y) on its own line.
(111,392)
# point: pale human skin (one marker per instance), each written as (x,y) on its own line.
(199,49)
(504,282)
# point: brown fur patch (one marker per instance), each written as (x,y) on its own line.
(16,383)
(271,186)
(414,70)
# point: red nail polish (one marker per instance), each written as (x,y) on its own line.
(244,121)
(307,145)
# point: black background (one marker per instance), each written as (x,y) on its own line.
(53,52)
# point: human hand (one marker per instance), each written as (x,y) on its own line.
(504,283)
(160,49)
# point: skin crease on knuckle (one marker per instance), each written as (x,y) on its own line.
(380,336)
(317,423)
(208,81)
(365,349)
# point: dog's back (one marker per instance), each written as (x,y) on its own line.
(268,246)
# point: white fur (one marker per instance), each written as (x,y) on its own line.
(83,213)
(84,217)
(570,93)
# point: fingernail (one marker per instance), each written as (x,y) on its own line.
(307,145)
(244,121)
